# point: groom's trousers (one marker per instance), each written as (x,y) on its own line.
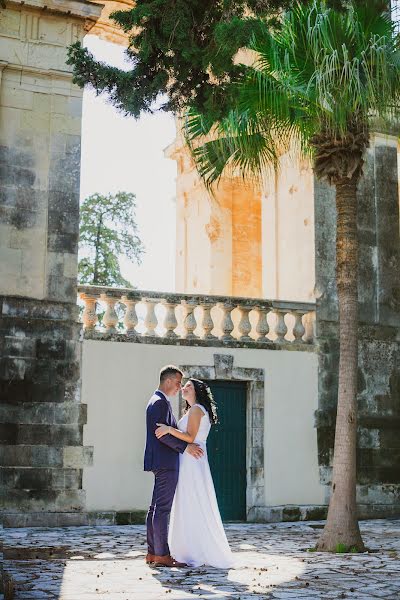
(165,482)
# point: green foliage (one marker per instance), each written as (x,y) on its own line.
(343,549)
(175,53)
(317,82)
(107,231)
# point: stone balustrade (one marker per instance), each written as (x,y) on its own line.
(159,317)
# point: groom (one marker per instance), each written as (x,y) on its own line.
(161,456)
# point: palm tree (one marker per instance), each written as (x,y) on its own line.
(318,85)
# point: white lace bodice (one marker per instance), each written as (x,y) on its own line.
(204,429)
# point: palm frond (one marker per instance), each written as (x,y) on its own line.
(321,72)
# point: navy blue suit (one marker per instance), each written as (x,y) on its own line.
(162,458)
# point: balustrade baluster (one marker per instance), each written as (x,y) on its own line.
(170,321)
(227,325)
(131,318)
(280,327)
(189,322)
(244,324)
(89,316)
(207,322)
(150,321)
(298,328)
(262,327)
(110,319)
(301,332)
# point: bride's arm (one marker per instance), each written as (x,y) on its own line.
(195,415)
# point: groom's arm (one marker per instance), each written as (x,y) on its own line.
(159,414)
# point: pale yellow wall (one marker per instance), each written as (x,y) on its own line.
(218,235)
(118,379)
(288,255)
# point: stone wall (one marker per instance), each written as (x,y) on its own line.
(41,417)
(379,346)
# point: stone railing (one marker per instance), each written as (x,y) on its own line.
(160,317)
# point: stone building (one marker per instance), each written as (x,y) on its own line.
(254,314)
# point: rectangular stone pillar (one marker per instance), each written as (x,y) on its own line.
(379,332)
(41,417)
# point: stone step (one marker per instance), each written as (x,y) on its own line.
(44,519)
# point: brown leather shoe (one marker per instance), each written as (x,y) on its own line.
(167,561)
(149,558)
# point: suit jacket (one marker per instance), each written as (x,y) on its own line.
(162,453)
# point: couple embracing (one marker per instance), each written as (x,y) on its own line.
(184,526)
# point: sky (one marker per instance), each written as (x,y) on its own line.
(122,154)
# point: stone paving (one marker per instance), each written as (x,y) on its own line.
(273,562)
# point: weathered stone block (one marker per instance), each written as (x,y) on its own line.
(367,475)
(65,202)
(52,435)
(44,519)
(102,518)
(27,413)
(31,456)
(291,513)
(16,368)
(8,433)
(43,500)
(136,517)
(77,457)
(67,478)
(71,412)
(315,513)
(44,393)
(54,349)
(31,478)
(61,288)
(223,364)
(70,265)
(17,346)
(15,175)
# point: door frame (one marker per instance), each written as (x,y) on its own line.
(223,370)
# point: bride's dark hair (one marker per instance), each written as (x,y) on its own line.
(205,398)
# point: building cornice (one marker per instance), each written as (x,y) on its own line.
(76,8)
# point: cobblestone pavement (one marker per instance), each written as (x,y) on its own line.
(273,562)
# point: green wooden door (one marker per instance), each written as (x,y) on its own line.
(226,448)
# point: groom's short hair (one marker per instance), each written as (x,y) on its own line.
(169,371)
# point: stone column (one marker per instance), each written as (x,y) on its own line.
(379,347)
(41,417)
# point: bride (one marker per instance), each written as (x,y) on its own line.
(196,534)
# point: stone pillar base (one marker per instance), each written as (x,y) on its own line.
(310,512)
(41,416)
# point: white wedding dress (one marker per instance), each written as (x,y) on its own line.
(196,534)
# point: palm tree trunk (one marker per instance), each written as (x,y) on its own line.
(342,525)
